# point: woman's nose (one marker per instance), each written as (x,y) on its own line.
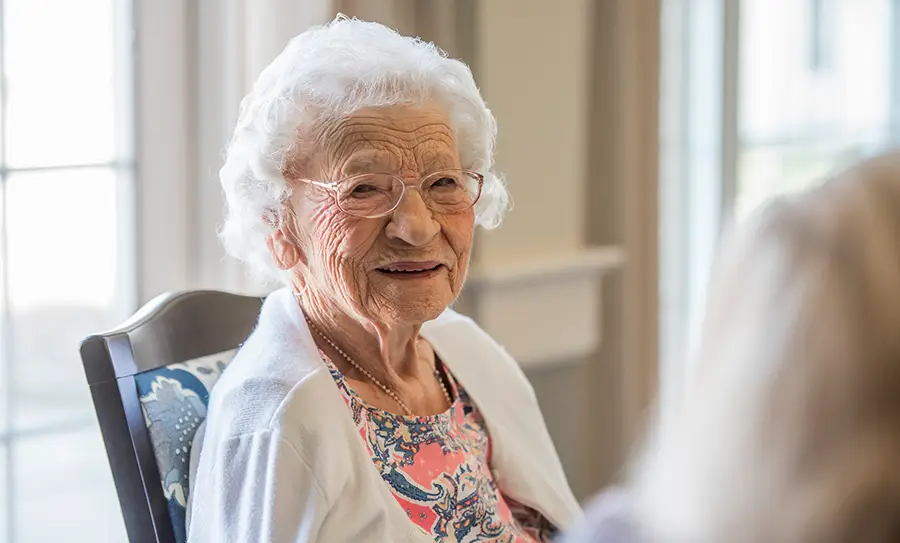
(413,222)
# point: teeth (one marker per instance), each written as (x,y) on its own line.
(408,270)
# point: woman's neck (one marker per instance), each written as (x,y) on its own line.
(388,352)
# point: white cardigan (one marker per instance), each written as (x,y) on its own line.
(282,461)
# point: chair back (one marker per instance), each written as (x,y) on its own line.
(150,380)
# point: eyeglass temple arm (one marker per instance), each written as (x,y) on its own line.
(330,185)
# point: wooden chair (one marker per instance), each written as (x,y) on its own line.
(147,375)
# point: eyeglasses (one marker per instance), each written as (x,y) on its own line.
(373,195)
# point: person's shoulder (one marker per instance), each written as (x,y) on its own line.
(262,390)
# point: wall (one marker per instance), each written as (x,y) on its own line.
(534,66)
(623,198)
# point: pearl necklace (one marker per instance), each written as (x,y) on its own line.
(387,390)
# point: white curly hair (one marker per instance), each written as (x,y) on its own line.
(326,73)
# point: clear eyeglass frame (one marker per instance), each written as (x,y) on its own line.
(401,186)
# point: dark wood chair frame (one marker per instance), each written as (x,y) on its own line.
(170,329)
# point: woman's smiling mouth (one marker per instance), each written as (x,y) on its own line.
(411,270)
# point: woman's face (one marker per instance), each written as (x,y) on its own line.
(353,261)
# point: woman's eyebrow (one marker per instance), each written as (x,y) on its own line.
(367,162)
(440,161)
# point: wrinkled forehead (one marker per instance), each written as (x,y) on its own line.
(398,139)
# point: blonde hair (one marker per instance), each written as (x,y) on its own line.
(789,429)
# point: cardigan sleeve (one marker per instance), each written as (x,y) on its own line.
(255,487)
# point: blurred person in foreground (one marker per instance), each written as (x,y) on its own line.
(789,429)
(362,409)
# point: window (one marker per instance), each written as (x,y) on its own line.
(66,256)
(759,98)
(815,84)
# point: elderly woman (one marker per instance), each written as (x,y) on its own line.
(790,429)
(362,409)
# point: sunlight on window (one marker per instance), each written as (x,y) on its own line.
(809,88)
(4,368)
(815,83)
(4,506)
(68,257)
(62,238)
(59,82)
(75,486)
(786,95)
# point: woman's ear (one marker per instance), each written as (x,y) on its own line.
(284,242)
(283,250)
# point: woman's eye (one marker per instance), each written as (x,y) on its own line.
(364,189)
(444,182)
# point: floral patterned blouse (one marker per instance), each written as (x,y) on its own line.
(438,469)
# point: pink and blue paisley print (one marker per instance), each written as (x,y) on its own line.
(438,469)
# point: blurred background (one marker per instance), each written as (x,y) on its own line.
(630,132)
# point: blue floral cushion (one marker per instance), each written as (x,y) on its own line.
(174,401)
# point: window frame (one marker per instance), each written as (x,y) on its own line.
(698,195)
(174,117)
(698,144)
(123,167)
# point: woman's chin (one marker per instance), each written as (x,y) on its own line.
(413,310)
(426,295)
